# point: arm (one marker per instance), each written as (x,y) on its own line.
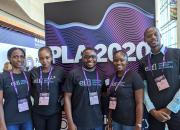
(147,101)
(68,111)
(2,121)
(139,108)
(174,105)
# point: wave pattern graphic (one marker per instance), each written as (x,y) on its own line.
(122,23)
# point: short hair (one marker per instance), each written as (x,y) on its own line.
(45,48)
(88,48)
(11,50)
(147,29)
(121,51)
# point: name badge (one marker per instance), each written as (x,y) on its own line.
(44,99)
(112,103)
(23,105)
(107,82)
(93,97)
(162,82)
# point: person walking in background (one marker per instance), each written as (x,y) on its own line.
(82,94)
(14,89)
(125,95)
(47,81)
(7,67)
(160,70)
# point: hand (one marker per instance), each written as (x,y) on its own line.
(160,115)
(72,126)
(167,111)
(2,126)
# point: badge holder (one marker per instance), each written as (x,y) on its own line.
(112,103)
(93,97)
(23,105)
(44,99)
(161,82)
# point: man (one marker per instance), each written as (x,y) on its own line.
(161,73)
(82,94)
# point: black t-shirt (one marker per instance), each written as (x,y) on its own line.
(171,71)
(85,115)
(11,113)
(125,112)
(55,90)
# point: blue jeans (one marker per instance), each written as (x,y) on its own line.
(23,126)
(118,126)
(98,128)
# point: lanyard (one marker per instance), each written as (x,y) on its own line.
(97,79)
(150,65)
(49,76)
(118,82)
(14,84)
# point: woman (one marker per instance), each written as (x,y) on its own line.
(126,95)
(46,90)
(14,89)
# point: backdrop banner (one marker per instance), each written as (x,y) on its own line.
(106,25)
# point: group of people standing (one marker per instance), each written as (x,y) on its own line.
(157,85)
(44,84)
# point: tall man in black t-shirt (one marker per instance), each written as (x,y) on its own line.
(82,94)
(161,73)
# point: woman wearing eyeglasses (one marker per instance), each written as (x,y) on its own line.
(14,89)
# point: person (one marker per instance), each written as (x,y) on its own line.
(125,95)
(14,89)
(47,81)
(7,67)
(160,70)
(82,94)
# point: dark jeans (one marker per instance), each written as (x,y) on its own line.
(118,126)
(52,122)
(173,123)
(98,128)
(23,126)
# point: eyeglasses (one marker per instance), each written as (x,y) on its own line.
(89,56)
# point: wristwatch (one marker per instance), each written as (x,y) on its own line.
(139,125)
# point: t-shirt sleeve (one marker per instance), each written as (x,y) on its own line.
(141,69)
(137,81)
(69,83)
(1,82)
(179,67)
(104,87)
(32,88)
(63,76)
(28,77)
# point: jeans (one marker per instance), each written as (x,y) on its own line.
(23,126)
(52,122)
(118,126)
(97,128)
